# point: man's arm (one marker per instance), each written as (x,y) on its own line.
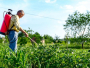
(16,20)
(24,32)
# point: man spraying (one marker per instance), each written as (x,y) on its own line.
(14,28)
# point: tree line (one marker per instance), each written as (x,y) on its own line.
(36,37)
(78,27)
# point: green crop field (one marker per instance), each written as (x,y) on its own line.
(47,56)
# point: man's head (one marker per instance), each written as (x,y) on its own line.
(20,13)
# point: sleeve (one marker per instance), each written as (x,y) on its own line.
(16,22)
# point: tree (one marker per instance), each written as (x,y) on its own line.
(78,25)
(36,37)
(36,33)
(57,39)
(48,38)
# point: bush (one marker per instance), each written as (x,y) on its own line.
(22,40)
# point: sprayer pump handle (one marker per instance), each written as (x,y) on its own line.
(10,9)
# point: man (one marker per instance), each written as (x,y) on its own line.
(14,28)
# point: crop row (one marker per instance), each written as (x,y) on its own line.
(50,56)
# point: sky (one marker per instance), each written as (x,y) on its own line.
(45,16)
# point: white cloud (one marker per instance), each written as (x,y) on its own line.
(50,1)
(68,7)
(83,6)
(83,2)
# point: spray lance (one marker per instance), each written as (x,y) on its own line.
(32,40)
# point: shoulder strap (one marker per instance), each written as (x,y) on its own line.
(12,27)
(13,24)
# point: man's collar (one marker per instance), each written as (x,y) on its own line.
(17,16)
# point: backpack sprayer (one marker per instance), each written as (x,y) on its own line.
(6,22)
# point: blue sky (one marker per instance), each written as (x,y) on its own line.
(58,10)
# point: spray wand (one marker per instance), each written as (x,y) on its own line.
(32,40)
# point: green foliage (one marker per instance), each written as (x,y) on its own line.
(37,37)
(1,40)
(21,34)
(23,40)
(48,39)
(6,39)
(44,57)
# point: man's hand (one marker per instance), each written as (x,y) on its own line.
(24,32)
